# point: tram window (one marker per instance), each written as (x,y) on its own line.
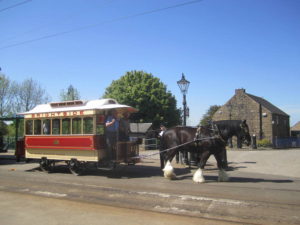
(88,125)
(29,127)
(76,126)
(66,126)
(100,129)
(46,127)
(37,127)
(56,126)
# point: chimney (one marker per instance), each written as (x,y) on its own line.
(240,91)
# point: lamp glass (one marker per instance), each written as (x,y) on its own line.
(183,84)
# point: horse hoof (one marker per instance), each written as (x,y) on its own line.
(199,180)
(169,171)
(223,177)
(198,177)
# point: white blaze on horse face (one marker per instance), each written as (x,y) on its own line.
(223,177)
(169,171)
(198,176)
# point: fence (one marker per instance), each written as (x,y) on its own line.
(10,142)
(151,144)
(291,142)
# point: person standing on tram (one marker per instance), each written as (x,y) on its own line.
(124,127)
(112,127)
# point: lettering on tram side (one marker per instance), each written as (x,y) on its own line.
(58,114)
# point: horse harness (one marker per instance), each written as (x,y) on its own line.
(215,133)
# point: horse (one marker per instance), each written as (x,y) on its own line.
(201,141)
(230,128)
(176,136)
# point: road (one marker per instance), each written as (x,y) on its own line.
(23,209)
(132,194)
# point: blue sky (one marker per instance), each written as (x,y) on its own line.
(220,45)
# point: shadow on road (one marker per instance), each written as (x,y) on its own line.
(122,171)
(150,169)
(258,180)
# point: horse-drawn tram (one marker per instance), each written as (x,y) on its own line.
(74,132)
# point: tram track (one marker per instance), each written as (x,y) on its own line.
(133,195)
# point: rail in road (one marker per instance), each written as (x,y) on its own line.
(180,204)
(249,198)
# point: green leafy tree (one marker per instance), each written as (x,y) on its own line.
(147,94)
(207,117)
(70,95)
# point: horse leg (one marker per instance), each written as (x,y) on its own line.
(239,142)
(224,158)
(169,171)
(181,157)
(162,160)
(198,175)
(177,157)
(223,177)
(230,143)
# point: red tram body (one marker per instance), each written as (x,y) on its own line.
(74,131)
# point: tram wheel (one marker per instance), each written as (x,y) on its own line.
(46,165)
(77,168)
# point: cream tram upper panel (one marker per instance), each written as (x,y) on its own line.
(81,108)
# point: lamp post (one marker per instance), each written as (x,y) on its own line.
(184,85)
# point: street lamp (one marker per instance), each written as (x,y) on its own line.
(184,85)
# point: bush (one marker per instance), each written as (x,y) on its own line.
(264,143)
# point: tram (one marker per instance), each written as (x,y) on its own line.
(74,132)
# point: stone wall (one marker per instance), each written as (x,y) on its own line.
(261,121)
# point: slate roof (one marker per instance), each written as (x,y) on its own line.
(140,127)
(272,108)
(296,127)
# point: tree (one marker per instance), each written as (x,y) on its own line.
(147,94)
(29,94)
(207,117)
(6,95)
(70,95)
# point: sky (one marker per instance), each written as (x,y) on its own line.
(220,46)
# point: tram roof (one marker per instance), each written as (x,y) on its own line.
(100,104)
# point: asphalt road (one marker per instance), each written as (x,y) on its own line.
(252,197)
(25,209)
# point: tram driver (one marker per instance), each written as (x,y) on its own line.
(112,127)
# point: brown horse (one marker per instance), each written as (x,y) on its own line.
(202,141)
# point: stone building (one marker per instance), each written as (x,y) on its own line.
(295,130)
(265,120)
